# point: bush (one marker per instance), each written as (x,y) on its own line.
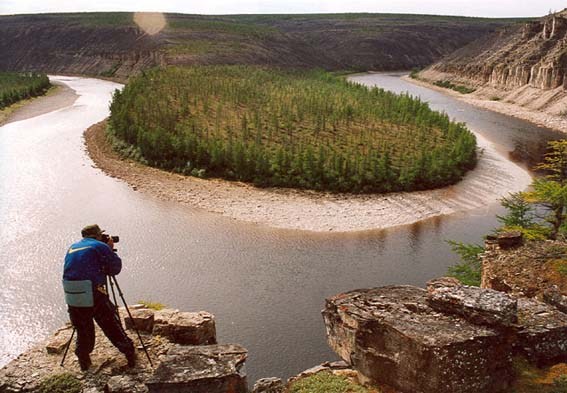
(560,384)
(326,382)
(470,269)
(61,383)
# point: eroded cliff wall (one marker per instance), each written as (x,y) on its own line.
(525,64)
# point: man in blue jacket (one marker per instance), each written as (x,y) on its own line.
(87,264)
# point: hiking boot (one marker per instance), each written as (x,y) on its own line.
(85,362)
(132,358)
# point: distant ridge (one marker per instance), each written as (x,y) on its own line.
(111,44)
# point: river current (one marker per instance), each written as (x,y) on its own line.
(265,286)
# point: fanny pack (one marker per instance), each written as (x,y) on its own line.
(78,293)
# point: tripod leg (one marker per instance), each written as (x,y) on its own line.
(131,318)
(67,347)
(114,298)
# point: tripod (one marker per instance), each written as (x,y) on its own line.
(112,280)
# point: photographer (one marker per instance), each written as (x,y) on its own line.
(87,264)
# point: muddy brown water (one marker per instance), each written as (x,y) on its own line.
(265,286)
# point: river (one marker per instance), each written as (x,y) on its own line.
(265,286)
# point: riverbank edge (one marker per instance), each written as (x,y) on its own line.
(58,96)
(541,119)
(282,208)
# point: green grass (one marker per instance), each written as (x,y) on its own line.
(325,382)
(300,129)
(60,383)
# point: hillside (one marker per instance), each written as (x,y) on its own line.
(111,44)
(524,65)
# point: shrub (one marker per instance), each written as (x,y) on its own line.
(326,382)
(61,383)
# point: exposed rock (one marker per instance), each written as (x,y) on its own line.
(508,240)
(542,337)
(476,305)
(553,296)
(187,328)
(269,385)
(124,384)
(142,319)
(526,271)
(109,371)
(524,65)
(201,369)
(59,340)
(392,336)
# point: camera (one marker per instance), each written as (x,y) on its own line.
(106,238)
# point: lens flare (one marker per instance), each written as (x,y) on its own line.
(150,22)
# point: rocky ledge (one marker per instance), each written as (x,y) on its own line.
(449,338)
(182,346)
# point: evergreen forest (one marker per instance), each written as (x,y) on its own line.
(281,128)
(16,86)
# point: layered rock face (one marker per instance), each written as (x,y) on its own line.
(524,64)
(528,54)
(450,338)
(182,346)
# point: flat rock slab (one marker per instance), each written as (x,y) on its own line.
(58,342)
(542,337)
(142,319)
(202,369)
(392,336)
(187,328)
(477,305)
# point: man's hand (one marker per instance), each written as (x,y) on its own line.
(110,243)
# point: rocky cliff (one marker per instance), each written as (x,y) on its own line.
(113,44)
(524,64)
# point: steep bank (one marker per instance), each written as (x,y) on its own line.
(112,44)
(493,178)
(524,66)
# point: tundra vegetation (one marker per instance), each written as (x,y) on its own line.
(299,129)
(15,86)
(539,214)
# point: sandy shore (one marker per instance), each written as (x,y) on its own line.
(482,100)
(60,96)
(493,178)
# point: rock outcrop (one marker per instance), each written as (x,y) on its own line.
(451,338)
(524,64)
(182,346)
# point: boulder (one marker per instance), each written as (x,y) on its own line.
(269,385)
(391,336)
(507,240)
(554,297)
(142,319)
(187,328)
(124,384)
(58,342)
(201,369)
(542,336)
(477,305)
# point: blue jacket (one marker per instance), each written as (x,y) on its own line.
(90,259)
